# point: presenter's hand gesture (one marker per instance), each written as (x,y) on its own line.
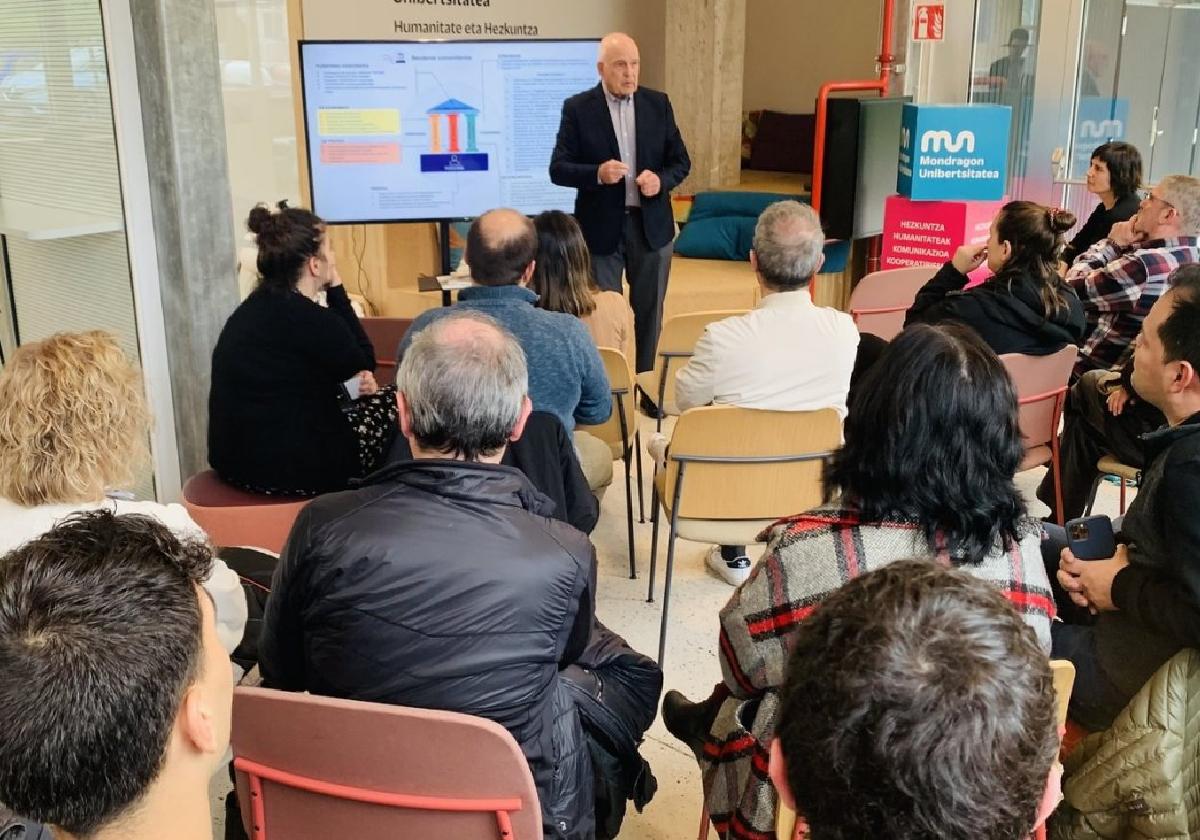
(612,171)
(648,183)
(969,257)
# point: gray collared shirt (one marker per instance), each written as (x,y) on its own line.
(620,108)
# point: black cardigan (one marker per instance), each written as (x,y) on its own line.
(274,417)
(1099,224)
(1008,316)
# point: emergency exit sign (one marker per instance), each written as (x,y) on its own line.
(929,22)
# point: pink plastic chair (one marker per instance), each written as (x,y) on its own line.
(311,768)
(233,517)
(1041,384)
(386,335)
(881,299)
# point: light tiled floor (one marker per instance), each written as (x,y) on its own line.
(691,652)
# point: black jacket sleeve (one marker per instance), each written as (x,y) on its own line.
(325,336)
(1165,597)
(581,627)
(281,644)
(339,303)
(676,162)
(582,507)
(566,168)
(931,305)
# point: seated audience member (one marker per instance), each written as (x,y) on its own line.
(917,704)
(546,454)
(486,599)
(280,415)
(1127,615)
(566,374)
(562,279)
(1104,415)
(1024,307)
(1114,175)
(787,354)
(932,444)
(116,694)
(74,425)
(1119,278)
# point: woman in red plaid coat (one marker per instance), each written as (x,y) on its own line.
(932,444)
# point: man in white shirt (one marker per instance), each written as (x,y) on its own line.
(787,354)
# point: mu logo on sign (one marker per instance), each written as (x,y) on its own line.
(938,141)
(1096,129)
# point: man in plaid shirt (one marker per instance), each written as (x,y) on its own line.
(1119,278)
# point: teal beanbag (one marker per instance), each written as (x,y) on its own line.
(727,238)
(708,205)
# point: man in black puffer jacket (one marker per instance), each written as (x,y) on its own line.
(443,583)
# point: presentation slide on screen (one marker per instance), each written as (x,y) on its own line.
(402,131)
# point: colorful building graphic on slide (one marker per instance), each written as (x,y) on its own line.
(450,156)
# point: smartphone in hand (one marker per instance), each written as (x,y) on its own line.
(1091,538)
(353,386)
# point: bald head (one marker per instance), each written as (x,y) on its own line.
(461,388)
(619,63)
(501,246)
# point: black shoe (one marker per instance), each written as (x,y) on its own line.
(649,408)
(686,720)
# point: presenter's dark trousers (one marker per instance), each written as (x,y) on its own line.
(646,269)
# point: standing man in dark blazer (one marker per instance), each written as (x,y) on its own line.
(618,145)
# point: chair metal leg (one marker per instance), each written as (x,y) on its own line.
(662,630)
(654,517)
(629,512)
(637,444)
(1122,494)
(1058,495)
(1087,510)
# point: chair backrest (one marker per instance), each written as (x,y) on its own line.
(620,380)
(386,335)
(677,341)
(745,463)
(233,517)
(1041,385)
(880,300)
(1063,673)
(311,768)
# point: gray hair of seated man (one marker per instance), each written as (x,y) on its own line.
(465,379)
(789,244)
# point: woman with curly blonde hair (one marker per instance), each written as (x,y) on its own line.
(74,427)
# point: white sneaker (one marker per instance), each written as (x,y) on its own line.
(734,572)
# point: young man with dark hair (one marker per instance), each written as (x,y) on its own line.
(1125,616)
(918,704)
(566,376)
(115,698)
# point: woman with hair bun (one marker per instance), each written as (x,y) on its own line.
(294,408)
(1024,307)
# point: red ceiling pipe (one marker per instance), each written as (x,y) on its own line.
(886,60)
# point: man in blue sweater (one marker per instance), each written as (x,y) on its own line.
(566,375)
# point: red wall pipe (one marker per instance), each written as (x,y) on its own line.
(885,59)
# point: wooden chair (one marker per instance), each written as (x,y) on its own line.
(386,335)
(309,767)
(745,468)
(234,517)
(1041,385)
(881,299)
(621,434)
(1108,465)
(676,341)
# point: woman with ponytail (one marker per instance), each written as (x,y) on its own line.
(1024,307)
(294,408)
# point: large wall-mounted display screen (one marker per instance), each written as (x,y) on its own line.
(413,131)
